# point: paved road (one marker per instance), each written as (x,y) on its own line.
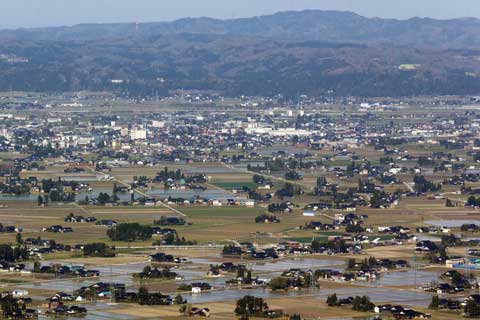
(410,188)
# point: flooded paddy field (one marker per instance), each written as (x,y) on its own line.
(452,223)
(390,287)
(219,226)
(412,278)
(189,194)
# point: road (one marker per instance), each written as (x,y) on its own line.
(410,188)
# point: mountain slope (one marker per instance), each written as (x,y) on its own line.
(331,26)
(238,65)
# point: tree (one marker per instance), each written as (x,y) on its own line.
(248,278)
(316,245)
(185,309)
(98,250)
(279,283)
(104,198)
(10,306)
(435,303)
(378,199)
(450,240)
(351,263)
(292,175)
(20,253)
(37,267)
(321,182)
(449,203)
(130,232)
(90,294)
(354,228)
(422,185)
(6,253)
(179,300)
(372,261)
(332,300)
(472,309)
(266,218)
(442,252)
(143,295)
(241,271)
(251,306)
(18,239)
(362,304)
(39,200)
(169,239)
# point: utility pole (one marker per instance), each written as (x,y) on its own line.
(414,267)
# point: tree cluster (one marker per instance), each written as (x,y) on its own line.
(130,232)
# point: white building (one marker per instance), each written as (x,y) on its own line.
(309,213)
(138,134)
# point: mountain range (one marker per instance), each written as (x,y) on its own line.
(312,52)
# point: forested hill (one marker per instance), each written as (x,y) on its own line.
(312,52)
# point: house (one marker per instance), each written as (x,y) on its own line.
(426,246)
(74,219)
(19,293)
(63,310)
(57,299)
(443,288)
(317,225)
(249,203)
(108,223)
(449,304)
(453,262)
(199,312)
(215,203)
(445,230)
(199,287)
(266,186)
(473,297)
(308,213)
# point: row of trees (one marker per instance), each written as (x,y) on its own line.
(289,190)
(12,254)
(172,239)
(473,202)
(155,273)
(362,304)
(251,306)
(98,250)
(266,218)
(144,297)
(130,232)
(422,185)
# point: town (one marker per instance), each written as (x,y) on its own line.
(200,205)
